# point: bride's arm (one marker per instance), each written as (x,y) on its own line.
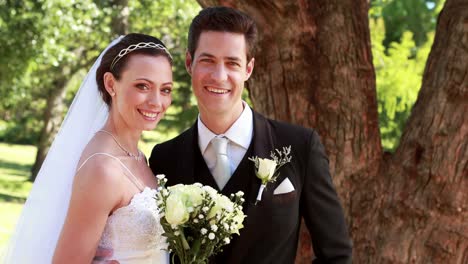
(96,192)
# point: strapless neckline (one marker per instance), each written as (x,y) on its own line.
(132,200)
(134,231)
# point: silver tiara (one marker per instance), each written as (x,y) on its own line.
(141,45)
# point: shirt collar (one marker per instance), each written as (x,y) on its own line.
(240,132)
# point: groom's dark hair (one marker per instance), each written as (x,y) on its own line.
(223,19)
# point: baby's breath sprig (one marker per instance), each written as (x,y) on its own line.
(281,157)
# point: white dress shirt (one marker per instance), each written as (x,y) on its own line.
(239,135)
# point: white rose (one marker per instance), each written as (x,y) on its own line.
(190,195)
(194,195)
(176,212)
(221,202)
(266,169)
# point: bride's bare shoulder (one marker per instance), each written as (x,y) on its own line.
(99,180)
(99,143)
(98,162)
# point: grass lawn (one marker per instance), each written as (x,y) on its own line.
(15,165)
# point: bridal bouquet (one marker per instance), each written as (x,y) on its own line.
(197,220)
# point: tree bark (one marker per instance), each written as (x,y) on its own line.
(52,119)
(314,68)
(424,216)
(119,22)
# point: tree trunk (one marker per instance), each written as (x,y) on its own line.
(52,119)
(314,68)
(424,217)
(119,22)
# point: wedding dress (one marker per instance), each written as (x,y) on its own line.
(134,232)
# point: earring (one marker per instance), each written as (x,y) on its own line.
(112,93)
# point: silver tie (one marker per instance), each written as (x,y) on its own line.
(222,169)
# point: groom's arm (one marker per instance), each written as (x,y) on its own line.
(322,210)
(160,160)
(152,162)
(160,157)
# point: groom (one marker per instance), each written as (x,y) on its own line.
(220,59)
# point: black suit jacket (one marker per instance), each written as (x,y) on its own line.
(271,229)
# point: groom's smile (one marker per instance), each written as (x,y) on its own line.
(217,90)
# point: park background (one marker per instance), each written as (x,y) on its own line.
(384,82)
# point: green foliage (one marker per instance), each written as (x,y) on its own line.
(49,44)
(57,39)
(402,33)
(19,17)
(400,16)
(398,75)
(17,32)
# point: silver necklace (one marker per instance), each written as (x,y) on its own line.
(138,158)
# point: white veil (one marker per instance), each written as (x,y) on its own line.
(43,215)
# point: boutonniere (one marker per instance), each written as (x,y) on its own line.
(267,170)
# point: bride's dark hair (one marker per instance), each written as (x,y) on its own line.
(111,63)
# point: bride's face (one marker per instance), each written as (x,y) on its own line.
(143,92)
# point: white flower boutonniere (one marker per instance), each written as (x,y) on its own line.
(267,170)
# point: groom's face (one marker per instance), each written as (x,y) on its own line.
(219,69)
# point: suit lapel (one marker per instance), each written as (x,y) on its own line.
(263,143)
(263,138)
(261,146)
(241,179)
(202,173)
(199,170)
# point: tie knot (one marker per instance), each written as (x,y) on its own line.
(220,145)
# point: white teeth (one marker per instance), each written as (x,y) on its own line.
(218,91)
(150,115)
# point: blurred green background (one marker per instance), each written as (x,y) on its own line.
(47,47)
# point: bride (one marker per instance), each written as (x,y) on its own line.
(95,188)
